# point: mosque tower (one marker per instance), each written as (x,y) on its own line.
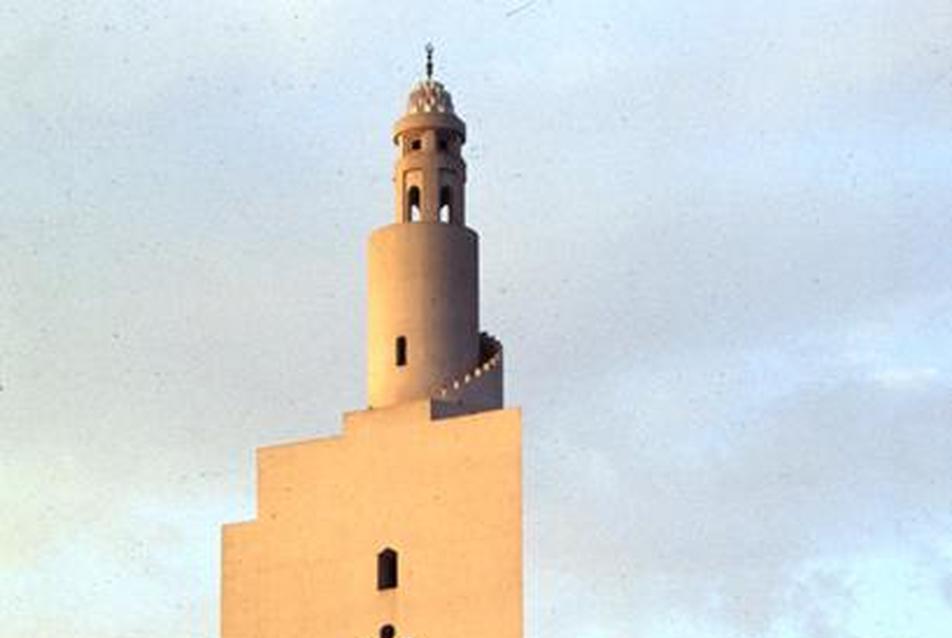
(423,303)
(408,523)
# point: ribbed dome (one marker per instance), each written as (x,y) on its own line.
(429,96)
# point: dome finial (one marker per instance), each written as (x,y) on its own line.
(429,60)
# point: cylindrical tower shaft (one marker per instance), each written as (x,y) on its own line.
(423,310)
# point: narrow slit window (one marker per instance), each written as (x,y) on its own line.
(401,351)
(387,571)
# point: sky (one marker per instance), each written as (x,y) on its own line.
(715,243)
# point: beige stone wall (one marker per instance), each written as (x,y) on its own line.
(446,495)
(423,285)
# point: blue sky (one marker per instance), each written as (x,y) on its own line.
(715,242)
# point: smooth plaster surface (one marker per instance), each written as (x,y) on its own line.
(446,495)
(423,285)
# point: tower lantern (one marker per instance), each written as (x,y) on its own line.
(430,173)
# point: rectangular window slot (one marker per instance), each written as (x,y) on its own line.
(387,569)
(401,351)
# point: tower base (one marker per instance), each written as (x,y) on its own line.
(444,495)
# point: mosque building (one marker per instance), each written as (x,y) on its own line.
(409,522)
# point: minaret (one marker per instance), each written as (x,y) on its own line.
(423,338)
(407,524)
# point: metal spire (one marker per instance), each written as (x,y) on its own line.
(429,60)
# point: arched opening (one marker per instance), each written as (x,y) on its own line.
(413,204)
(387,570)
(387,631)
(446,203)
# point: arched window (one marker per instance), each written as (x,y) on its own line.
(413,204)
(387,631)
(446,203)
(387,570)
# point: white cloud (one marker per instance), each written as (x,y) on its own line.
(898,377)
